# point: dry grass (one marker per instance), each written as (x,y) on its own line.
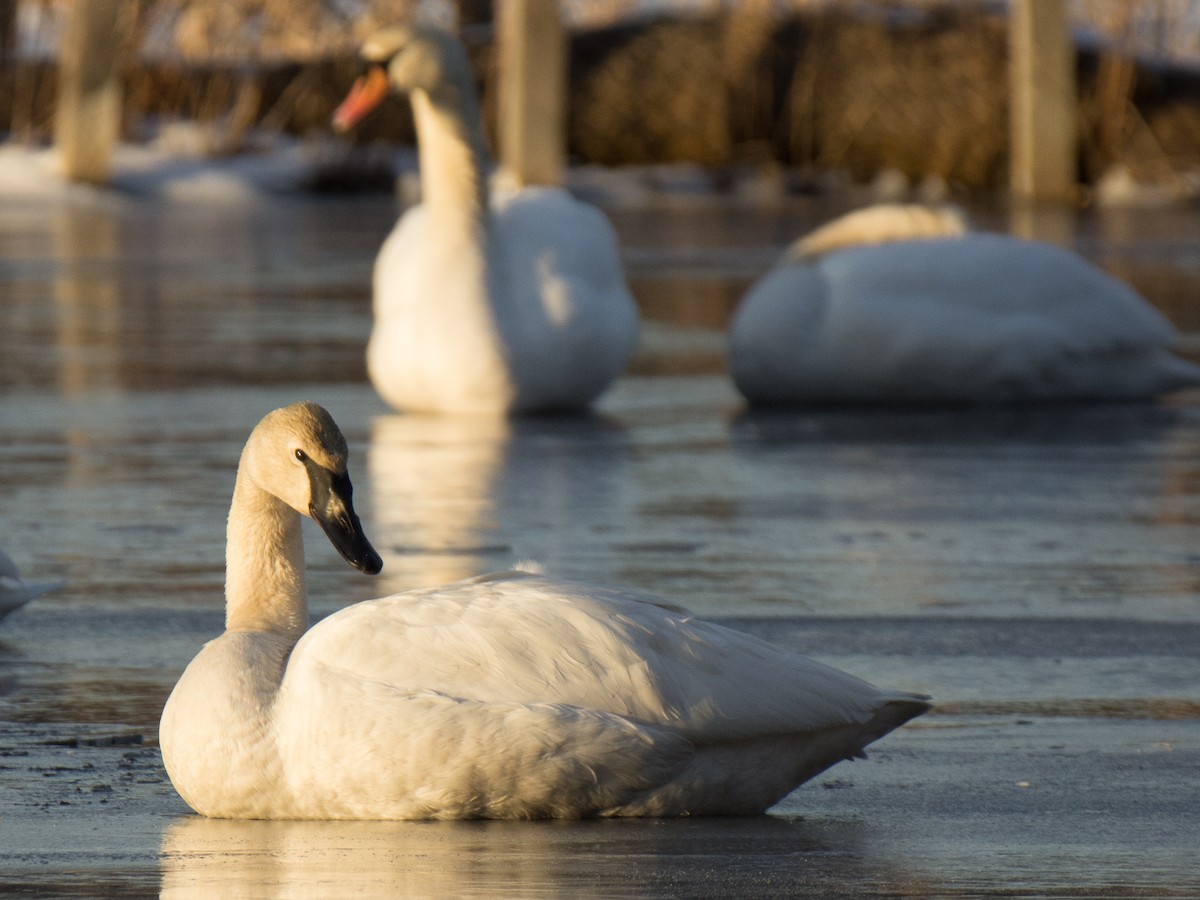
(848,86)
(831,88)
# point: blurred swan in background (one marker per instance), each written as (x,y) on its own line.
(510,695)
(15,592)
(513,305)
(903,304)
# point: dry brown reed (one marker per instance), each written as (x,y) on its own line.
(860,87)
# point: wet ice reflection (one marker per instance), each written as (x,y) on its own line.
(453,497)
(1042,507)
(431,480)
(146,295)
(202,858)
(1036,570)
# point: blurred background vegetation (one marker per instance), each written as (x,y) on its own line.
(806,86)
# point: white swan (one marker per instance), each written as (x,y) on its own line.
(518,305)
(506,696)
(899,304)
(15,592)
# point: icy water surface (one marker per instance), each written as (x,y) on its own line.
(1037,571)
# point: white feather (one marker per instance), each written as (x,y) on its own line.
(511,695)
(960,318)
(512,302)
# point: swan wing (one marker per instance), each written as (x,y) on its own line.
(535,316)
(983,316)
(1003,277)
(525,639)
(565,308)
(353,747)
(994,316)
(577,236)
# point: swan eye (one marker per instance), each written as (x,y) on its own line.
(301,455)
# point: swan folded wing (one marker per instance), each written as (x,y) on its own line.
(528,639)
(582,240)
(988,316)
(1004,277)
(778,347)
(367,749)
(574,324)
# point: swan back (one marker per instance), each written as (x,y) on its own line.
(523,637)
(514,685)
(972,317)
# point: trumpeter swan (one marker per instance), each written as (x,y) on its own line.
(511,695)
(508,304)
(901,304)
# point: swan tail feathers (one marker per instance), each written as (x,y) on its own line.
(889,716)
(896,711)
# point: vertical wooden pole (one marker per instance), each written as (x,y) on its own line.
(1042,100)
(533,75)
(8,32)
(87,119)
(1056,223)
(475,13)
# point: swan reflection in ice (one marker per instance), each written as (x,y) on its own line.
(456,496)
(203,858)
(431,481)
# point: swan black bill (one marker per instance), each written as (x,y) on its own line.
(331,506)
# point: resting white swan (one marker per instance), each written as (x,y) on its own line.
(506,696)
(14,592)
(514,306)
(899,304)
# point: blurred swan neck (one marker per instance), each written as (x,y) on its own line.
(453,158)
(264,564)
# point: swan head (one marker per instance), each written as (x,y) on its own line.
(404,58)
(298,454)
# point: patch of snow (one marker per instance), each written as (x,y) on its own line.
(167,171)
(1118,187)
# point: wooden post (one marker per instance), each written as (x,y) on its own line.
(1056,223)
(533,75)
(8,33)
(87,119)
(1042,100)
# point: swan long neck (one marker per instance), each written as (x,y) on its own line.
(453,160)
(264,563)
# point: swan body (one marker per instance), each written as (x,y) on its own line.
(16,592)
(511,302)
(511,695)
(898,305)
